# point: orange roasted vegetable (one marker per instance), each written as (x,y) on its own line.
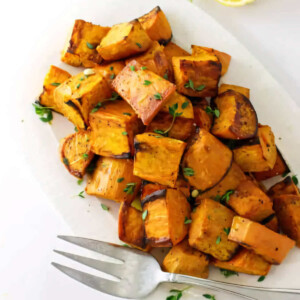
(249,201)
(113,127)
(166,211)
(237,118)
(284,187)
(80,49)
(75,152)
(240,89)
(245,261)
(124,40)
(272,246)
(271,222)
(172,50)
(287,209)
(259,156)
(208,232)
(223,57)
(183,259)
(113,179)
(54,78)
(206,161)
(157,26)
(157,158)
(144,90)
(201,117)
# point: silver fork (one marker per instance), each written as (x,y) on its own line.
(138,273)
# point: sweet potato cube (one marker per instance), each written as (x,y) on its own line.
(157,158)
(183,186)
(183,259)
(237,120)
(230,182)
(271,222)
(145,91)
(223,57)
(54,78)
(259,156)
(197,76)
(124,40)
(284,187)
(172,50)
(287,209)
(240,89)
(80,49)
(113,127)
(210,222)
(151,190)
(250,202)
(201,117)
(77,96)
(183,127)
(272,246)
(157,26)
(245,261)
(113,179)
(75,152)
(131,227)
(206,161)
(167,211)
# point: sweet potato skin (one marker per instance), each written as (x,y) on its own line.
(75,152)
(124,40)
(157,158)
(104,181)
(55,75)
(207,230)
(80,49)
(250,202)
(240,89)
(237,120)
(157,26)
(286,186)
(272,246)
(146,100)
(245,261)
(209,159)
(183,259)
(287,209)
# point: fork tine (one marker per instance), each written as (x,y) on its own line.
(106,267)
(107,249)
(97,283)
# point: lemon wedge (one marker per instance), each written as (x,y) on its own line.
(235,3)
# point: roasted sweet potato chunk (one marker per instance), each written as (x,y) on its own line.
(206,161)
(279,168)
(145,91)
(80,49)
(201,117)
(272,246)
(75,152)
(237,118)
(271,222)
(223,57)
(77,96)
(113,179)
(230,182)
(284,187)
(131,227)
(245,261)
(287,209)
(157,158)
(54,78)
(197,76)
(240,89)
(260,156)
(210,222)
(124,40)
(113,127)
(157,26)
(167,211)
(183,127)
(250,202)
(183,259)
(172,50)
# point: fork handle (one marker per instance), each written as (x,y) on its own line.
(232,288)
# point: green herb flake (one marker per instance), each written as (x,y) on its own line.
(104,207)
(75,129)
(261,278)
(200,87)
(125,245)
(215,112)
(228,273)
(82,78)
(136,203)
(227,230)
(144,215)
(132,68)
(114,96)
(85,156)
(285,173)
(147,82)
(112,76)
(81,194)
(188,172)
(177,294)
(45,113)
(78,85)
(225,198)
(130,187)
(218,240)
(139,45)
(144,68)
(55,83)
(79,181)
(96,108)
(185,104)
(66,161)
(166,76)
(111,68)
(90,46)
(125,133)
(187,220)
(189,85)
(208,296)
(157,96)
(295,179)
(127,114)
(120,179)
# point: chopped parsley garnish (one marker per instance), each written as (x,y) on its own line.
(261,278)
(190,85)
(96,108)
(90,46)
(295,179)
(114,96)
(85,156)
(208,296)
(157,96)
(125,133)
(55,83)
(139,45)
(187,220)
(188,172)
(79,181)
(130,187)
(144,68)
(111,68)
(228,273)
(127,114)
(78,85)
(104,207)
(75,129)
(147,82)
(177,294)
(136,203)
(218,240)
(144,215)
(120,179)
(166,76)
(185,104)
(112,76)
(45,113)
(81,194)
(66,161)
(227,230)
(225,198)
(132,68)
(215,112)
